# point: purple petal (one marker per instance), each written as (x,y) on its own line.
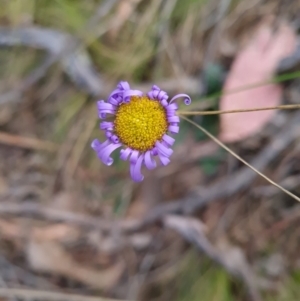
(158,94)
(99,102)
(164,102)
(128,93)
(115,93)
(149,162)
(131,169)
(164,160)
(104,112)
(171,113)
(172,106)
(169,140)
(123,85)
(105,125)
(135,169)
(154,151)
(115,139)
(100,114)
(162,149)
(187,99)
(162,95)
(106,152)
(155,87)
(114,100)
(134,156)
(124,153)
(97,146)
(108,134)
(173,119)
(150,94)
(174,129)
(105,106)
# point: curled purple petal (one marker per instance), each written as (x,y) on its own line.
(135,169)
(115,139)
(124,153)
(154,151)
(97,146)
(163,149)
(168,139)
(173,119)
(99,102)
(164,160)
(174,129)
(171,113)
(134,156)
(154,92)
(132,165)
(150,95)
(128,93)
(105,106)
(104,155)
(108,134)
(162,95)
(123,85)
(149,162)
(107,111)
(164,102)
(158,94)
(115,93)
(101,114)
(114,100)
(105,125)
(187,99)
(172,106)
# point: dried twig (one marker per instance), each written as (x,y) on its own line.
(34,210)
(27,294)
(26,142)
(232,260)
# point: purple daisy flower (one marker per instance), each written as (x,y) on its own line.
(141,126)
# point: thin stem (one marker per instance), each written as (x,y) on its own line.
(219,112)
(276,80)
(215,139)
(28,294)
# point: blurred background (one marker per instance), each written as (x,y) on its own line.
(205,227)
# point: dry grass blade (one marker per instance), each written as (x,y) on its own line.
(241,159)
(45,295)
(26,142)
(219,112)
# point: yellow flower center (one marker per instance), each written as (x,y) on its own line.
(140,123)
